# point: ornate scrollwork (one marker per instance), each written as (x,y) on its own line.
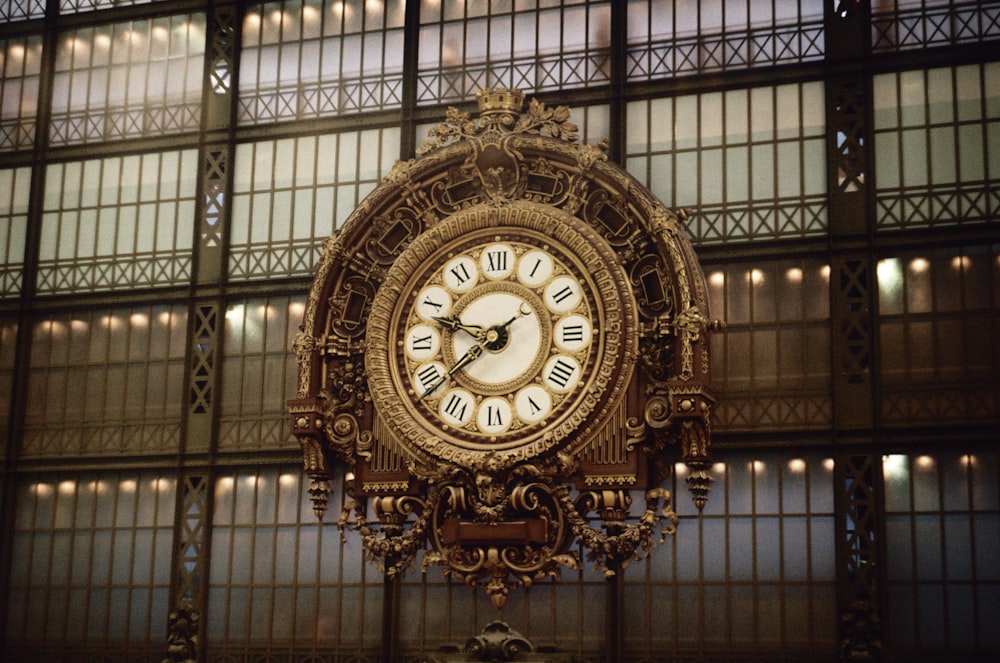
(500,532)
(622,540)
(498,642)
(182,635)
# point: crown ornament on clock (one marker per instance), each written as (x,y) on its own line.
(500,101)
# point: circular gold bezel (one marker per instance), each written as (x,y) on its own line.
(610,361)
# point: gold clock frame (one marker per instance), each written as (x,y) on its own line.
(495,519)
(605,383)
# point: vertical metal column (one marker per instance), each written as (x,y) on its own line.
(25,318)
(206,317)
(859,528)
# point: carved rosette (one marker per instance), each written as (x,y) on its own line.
(501,521)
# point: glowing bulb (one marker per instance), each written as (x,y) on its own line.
(797,465)
(919,265)
(794,275)
(717,279)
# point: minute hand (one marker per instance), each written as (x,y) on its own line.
(470,356)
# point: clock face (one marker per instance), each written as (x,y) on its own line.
(497,336)
(500,330)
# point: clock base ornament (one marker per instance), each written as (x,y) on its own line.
(504,346)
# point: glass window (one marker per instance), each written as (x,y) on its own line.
(938,321)
(259,373)
(928,500)
(92,556)
(772,361)
(746,570)
(106,383)
(901,25)
(305,59)
(20,66)
(935,139)
(533,45)
(15,183)
(128,80)
(271,559)
(79,6)
(290,194)
(19,10)
(749,163)
(119,222)
(670,38)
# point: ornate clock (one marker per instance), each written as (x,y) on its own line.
(508,335)
(499,333)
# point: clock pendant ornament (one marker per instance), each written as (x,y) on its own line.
(507,336)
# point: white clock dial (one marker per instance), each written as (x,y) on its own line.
(535,268)
(572,333)
(433,301)
(497,261)
(457,407)
(513,358)
(461,274)
(429,378)
(494,416)
(422,342)
(498,337)
(563,294)
(561,373)
(532,404)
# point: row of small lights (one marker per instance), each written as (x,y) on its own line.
(889,270)
(892,465)
(235,314)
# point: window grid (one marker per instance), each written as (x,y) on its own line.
(15,183)
(19,87)
(120,222)
(91,563)
(259,373)
(80,6)
(666,39)
(312,59)
(20,10)
(128,80)
(755,571)
(106,383)
(772,363)
(942,528)
(766,144)
(290,194)
(532,46)
(939,315)
(936,133)
(903,25)
(280,581)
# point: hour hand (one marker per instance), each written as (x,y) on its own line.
(453,324)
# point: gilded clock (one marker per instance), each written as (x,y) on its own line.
(501,333)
